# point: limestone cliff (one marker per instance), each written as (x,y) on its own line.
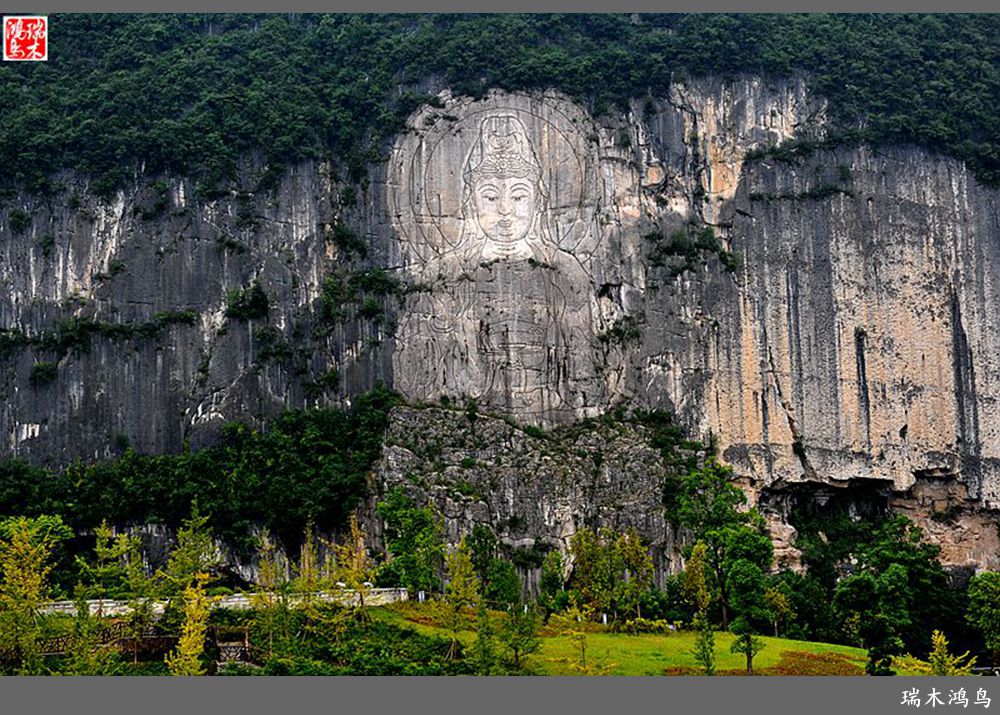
(827,316)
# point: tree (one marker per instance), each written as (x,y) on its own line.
(704,645)
(354,566)
(519,634)
(696,587)
(612,572)
(984,610)
(696,591)
(484,653)
(638,572)
(85,654)
(551,583)
(877,603)
(26,548)
(483,547)
(117,570)
(270,600)
(461,592)
(140,587)
(186,659)
(706,502)
(573,623)
(499,582)
(595,568)
(105,575)
(779,605)
(944,663)
(414,539)
(195,553)
(748,586)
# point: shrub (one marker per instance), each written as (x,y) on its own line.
(43,372)
(249,303)
(19,221)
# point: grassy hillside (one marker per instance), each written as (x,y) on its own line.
(652,654)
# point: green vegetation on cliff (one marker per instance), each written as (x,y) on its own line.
(192,93)
(306,467)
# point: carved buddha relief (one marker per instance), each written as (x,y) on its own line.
(504,314)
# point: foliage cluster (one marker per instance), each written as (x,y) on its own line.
(307,466)
(192,93)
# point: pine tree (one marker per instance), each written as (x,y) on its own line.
(484,650)
(104,577)
(519,634)
(704,644)
(141,589)
(355,568)
(697,593)
(270,600)
(461,593)
(86,654)
(195,553)
(186,660)
(944,663)
(26,549)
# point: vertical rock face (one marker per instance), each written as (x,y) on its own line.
(851,338)
(534,490)
(866,346)
(826,317)
(495,203)
(127,298)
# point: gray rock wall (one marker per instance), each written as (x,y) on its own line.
(843,328)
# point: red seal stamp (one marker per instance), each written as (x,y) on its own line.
(25,38)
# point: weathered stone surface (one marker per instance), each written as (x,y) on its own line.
(855,339)
(535,490)
(144,252)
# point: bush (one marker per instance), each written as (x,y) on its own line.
(19,221)
(250,303)
(43,372)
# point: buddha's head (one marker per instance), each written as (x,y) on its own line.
(502,185)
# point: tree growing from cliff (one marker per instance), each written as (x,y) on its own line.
(984,610)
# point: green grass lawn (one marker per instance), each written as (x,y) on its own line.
(649,654)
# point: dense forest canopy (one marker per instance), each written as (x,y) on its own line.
(190,93)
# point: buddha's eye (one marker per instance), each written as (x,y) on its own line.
(519,197)
(490,197)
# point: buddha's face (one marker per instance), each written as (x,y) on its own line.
(505,208)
